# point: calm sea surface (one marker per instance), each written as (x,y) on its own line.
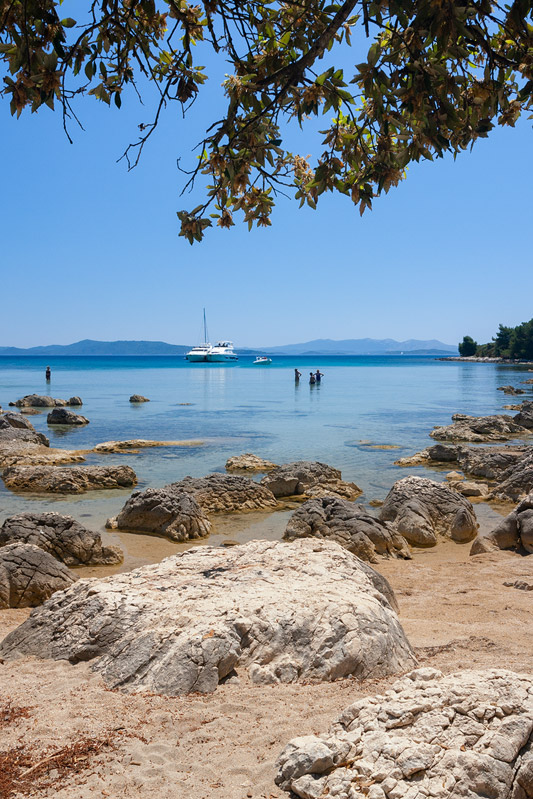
(244,408)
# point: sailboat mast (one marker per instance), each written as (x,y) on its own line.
(205,329)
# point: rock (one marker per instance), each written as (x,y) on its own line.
(349,525)
(38,401)
(305,611)
(174,515)
(453,477)
(16,420)
(21,453)
(62,537)
(249,463)
(224,493)
(438,453)
(464,735)
(514,532)
(421,510)
(511,390)
(479,429)
(64,416)
(517,480)
(31,411)
(310,479)
(64,480)
(522,585)
(138,398)
(29,576)
(470,488)
(512,407)
(136,444)
(75,401)
(530,380)
(525,417)
(10,435)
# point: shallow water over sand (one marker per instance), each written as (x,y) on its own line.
(241,408)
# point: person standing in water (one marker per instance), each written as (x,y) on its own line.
(297,375)
(48,374)
(312,379)
(318,375)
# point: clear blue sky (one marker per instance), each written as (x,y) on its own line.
(92,251)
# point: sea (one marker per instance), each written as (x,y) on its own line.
(361,404)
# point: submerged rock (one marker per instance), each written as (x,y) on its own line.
(310,479)
(136,444)
(511,390)
(62,537)
(515,531)
(225,493)
(249,463)
(29,576)
(171,514)
(64,416)
(38,401)
(284,612)
(75,480)
(479,429)
(349,525)
(22,453)
(422,510)
(462,735)
(75,401)
(138,398)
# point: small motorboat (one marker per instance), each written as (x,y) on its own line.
(262,360)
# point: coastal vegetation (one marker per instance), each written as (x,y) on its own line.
(426,79)
(509,342)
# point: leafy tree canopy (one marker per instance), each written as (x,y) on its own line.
(467,347)
(509,342)
(435,76)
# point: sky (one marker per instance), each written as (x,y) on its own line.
(90,250)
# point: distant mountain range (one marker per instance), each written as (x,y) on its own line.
(359,346)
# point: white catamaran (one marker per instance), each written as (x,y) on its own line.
(199,353)
(220,352)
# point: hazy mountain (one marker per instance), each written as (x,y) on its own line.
(89,347)
(362,346)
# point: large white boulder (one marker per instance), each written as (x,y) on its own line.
(284,612)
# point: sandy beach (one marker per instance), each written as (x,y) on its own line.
(93,742)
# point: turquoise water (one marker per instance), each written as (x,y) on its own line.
(244,408)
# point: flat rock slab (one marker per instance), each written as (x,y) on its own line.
(349,525)
(64,480)
(29,576)
(62,537)
(310,479)
(285,612)
(24,453)
(422,510)
(171,514)
(479,429)
(249,463)
(225,493)
(464,735)
(136,444)
(64,416)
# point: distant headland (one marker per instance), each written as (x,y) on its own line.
(363,346)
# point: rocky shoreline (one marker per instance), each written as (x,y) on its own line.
(346,599)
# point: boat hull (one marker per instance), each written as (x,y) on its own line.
(196,358)
(221,357)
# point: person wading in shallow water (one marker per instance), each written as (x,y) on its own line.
(318,375)
(312,379)
(48,374)
(297,376)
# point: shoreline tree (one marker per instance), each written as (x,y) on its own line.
(433,78)
(509,342)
